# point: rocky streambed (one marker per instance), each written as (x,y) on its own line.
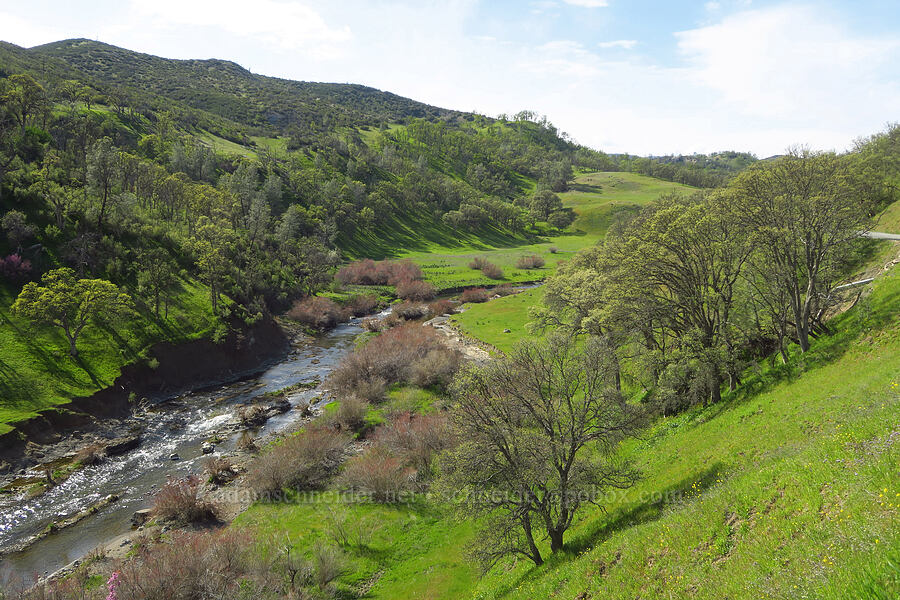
(41,533)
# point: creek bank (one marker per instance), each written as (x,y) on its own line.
(184,425)
(181,368)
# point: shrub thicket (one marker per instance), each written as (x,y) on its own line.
(532,261)
(369,272)
(179,500)
(302,461)
(318,312)
(378,475)
(416,439)
(474,295)
(362,304)
(492,271)
(415,290)
(388,358)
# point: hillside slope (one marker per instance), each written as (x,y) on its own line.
(230,91)
(252,188)
(787,489)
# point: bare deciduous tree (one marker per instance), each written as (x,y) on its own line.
(538,435)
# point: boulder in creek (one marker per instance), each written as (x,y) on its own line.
(280,407)
(140,517)
(122,445)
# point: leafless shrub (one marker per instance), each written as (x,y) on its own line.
(385,359)
(410,311)
(222,564)
(416,439)
(415,290)
(179,500)
(478,263)
(361,272)
(362,304)
(329,564)
(347,532)
(401,271)
(384,478)
(318,312)
(492,271)
(351,413)
(441,307)
(438,366)
(504,290)
(368,272)
(530,262)
(303,461)
(219,469)
(371,390)
(553,249)
(474,295)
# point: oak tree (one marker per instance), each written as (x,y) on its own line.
(69,303)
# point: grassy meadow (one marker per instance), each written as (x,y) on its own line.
(596,198)
(788,488)
(790,482)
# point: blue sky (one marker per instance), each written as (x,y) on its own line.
(646,77)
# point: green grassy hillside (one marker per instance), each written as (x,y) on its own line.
(597,199)
(786,489)
(793,487)
(37,373)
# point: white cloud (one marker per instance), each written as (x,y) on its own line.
(625,44)
(561,57)
(588,3)
(26,33)
(791,62)
(286,25)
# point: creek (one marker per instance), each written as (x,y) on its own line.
(179,426)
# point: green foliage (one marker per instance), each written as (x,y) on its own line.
(784,484)
(698,170)
(69,303)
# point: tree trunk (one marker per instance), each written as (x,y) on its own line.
(556,539)
(102,210)
(535,553)
(715,392)
(73,350)
(803,337)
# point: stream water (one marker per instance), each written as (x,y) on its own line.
(181,427)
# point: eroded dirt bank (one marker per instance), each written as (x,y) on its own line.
(182,368)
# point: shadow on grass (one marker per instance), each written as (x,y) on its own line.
(418,233)
(49,362)
(635,514)
(644,512)
(586,188)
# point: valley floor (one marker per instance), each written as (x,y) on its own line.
(788,488)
